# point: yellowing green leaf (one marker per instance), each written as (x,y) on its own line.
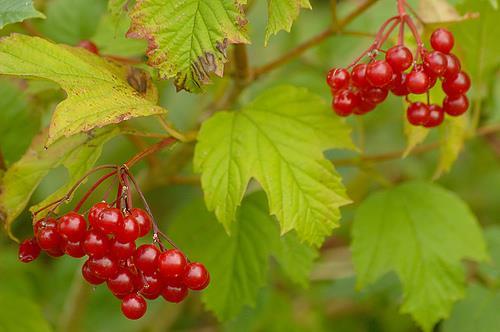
(414,136)
(239,263)
(281,15)
(453,134)
(188,39)
(279,140)
(421,232)
(77,153)
(12,11)
(438,11)
(98,91)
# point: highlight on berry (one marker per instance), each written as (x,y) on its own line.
(403,72)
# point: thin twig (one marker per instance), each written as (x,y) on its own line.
(315,40)
(152,149)
(92,189)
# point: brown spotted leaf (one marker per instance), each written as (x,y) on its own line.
(99,91)
(188,38)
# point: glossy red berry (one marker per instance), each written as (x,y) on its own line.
(456,105)
(435,63)
(436,116)
(452,65)
(337,78)
(399,58)
(49,239)
(456,85)
(143,220)
(134,306)
(174,294)
(417,114)
(110,220)
(73,249)
(44,223)
(171,264)
(29,250)
(146,258)
(72,226)
(375,95)
(398,84)
(128,231)
(104,267)
(96,244)
(122,250)
(122,283)
(94,212)
(89,275)
(344,102)
(358,76)
(55,252)
(379,73)
(196,276)
(151,285)
(417,81)
(364,106)
(442,40)
(89,46)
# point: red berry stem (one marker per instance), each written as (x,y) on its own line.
(152,149)
(91,190)
(156,229)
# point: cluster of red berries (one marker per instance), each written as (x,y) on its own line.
(109,240)
(368,84)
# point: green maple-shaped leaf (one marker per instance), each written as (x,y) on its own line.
(281,14)
(188,39)
(238,264)
(98,91)
(279,140)
(77,153)
(422,232)
(12,11)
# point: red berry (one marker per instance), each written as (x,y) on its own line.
(417,81)
(55,252)
(436,116)
(151,286)
(344,102)
(73,249)
(398,85)
(110,220)
(134,306)
(29,250)
(89,275)
(172,264)
(129,230)
(44,223)
(174,293)
(364,106)
(122,283)
(196,276)
(417,114)
(89,46)
(49,239)
(122,250)
(379,73)
(72,226)
(104,267)
(456,106)
(337,78)
(442,40)
(143,219)
(94,212)
(456,85)
(375,95)
(358,76)
(435,63)
(146,258)
(452,65)
(399,58)
(96,244)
